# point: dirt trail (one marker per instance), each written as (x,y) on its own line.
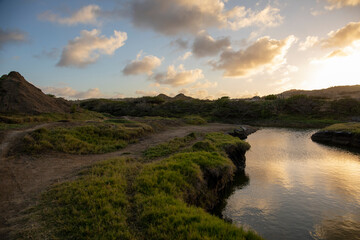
(23,178)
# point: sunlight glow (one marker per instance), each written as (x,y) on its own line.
(342,69)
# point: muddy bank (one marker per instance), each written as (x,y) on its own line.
(338,138)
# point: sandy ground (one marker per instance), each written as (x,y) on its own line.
(23,178)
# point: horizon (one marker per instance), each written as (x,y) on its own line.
(129,49)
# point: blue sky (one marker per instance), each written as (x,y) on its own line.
(206,49)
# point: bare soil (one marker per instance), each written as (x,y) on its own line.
(23,178)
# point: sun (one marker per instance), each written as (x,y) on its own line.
(337,71)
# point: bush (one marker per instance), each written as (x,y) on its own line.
(194,120)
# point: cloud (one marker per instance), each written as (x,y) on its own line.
(309,42)
(242,17)
(180,43)
(205,84)
(146,93)
(50,54)
(204,45)
(343,37)
(85,15)
(264,53)
(68,92)
(337,53)
(349,51)
(341,3)
(87,48)
(142,66)
(185,56)
(178,77)
(11,36)
(180,16)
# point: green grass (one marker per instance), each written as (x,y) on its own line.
(194,120)
(127,199)
(166,188)
(91,138)
(18,121)
(223,141)
(95,206)
(170,147)
(353,127)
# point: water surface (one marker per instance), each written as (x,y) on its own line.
(294,188)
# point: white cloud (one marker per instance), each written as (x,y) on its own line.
(265,54)
(309,42)
(242,17)
(87,48)
(178,77)
(204,45)
(11,36)
(179,16)
(85,15)
(185,56)
(142,66)
(341,3)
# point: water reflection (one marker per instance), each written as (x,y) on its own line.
(299,189)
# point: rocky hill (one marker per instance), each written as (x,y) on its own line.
(332,93)
(19,96)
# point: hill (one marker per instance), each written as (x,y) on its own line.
(332,93)
(19,96)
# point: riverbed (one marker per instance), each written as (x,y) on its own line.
(294,188)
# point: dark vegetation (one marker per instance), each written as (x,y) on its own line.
(297,110)
(18,121)
(132,199)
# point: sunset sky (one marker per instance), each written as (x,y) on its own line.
(205,49)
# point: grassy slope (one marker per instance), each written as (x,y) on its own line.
(353,127)
(127,199)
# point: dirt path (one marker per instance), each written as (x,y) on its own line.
(22,179)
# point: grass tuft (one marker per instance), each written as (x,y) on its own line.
(194,120)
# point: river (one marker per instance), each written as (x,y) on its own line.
(294,188)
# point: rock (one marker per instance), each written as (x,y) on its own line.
(243,131)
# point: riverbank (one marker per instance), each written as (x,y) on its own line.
(344,134)
(112,192)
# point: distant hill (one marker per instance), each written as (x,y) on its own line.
(332,93)
(19,96)
(180,96)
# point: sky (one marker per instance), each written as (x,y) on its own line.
(205,49)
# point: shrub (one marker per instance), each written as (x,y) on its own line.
(194,120)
